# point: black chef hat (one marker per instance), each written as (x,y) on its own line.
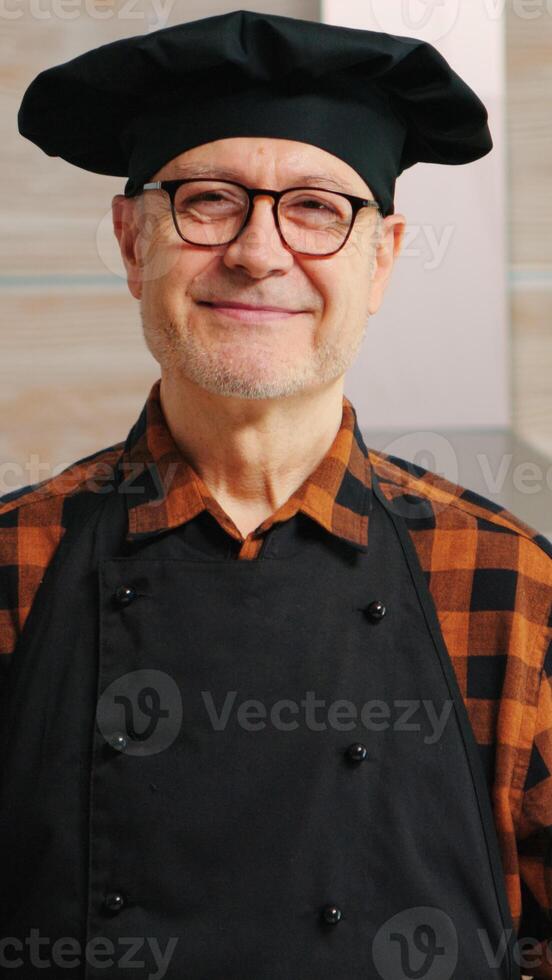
(379,101)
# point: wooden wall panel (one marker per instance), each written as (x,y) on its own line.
(529,129)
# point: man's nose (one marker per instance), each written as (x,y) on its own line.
(259,247)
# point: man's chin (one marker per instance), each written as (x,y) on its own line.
(251,386)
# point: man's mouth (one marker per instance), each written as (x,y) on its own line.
(249,313)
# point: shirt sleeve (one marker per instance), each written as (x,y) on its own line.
(31,529)
(9,599)
(9,602)
(535,825)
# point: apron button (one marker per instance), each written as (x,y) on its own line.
(114,902)
(118,742)
(376,609)
(357,752)
(331,913)
(125,594)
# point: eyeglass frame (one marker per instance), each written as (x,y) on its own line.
(171,187)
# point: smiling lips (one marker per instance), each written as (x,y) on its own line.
(249,313)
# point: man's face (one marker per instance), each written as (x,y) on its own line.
(331,296)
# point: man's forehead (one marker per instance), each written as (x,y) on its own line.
(239,158)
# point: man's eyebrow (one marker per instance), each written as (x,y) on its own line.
(228,173)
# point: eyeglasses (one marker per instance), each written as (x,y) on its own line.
(310,220)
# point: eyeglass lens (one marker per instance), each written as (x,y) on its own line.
(212,213)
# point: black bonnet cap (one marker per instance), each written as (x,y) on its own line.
(379,101)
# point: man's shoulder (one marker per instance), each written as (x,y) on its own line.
(33,523)
(34,518)
(429,502)
(89,474)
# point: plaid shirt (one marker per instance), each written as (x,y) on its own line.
(490,576)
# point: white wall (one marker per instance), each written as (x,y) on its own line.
(436,354)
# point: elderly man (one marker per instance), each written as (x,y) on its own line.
(331,757)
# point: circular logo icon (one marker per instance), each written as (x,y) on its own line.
(434,453)
(140,713)
(154,261)
(428,20)
(418,942)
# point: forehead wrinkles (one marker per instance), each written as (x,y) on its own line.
(309,175)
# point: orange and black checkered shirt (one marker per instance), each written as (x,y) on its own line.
(489,574)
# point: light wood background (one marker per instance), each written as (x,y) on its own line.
(529,177)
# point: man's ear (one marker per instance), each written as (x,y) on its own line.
(125,213)
(389,242)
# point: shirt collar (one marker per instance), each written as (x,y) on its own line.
(163,491)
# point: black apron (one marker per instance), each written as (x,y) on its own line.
(221,769)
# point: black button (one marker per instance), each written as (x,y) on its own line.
(331,913)
(357,752)
(114,901)
(125,594)
(118,742)
(375,610)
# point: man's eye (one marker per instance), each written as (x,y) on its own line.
(312,204)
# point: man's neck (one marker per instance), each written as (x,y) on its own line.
(252,454)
